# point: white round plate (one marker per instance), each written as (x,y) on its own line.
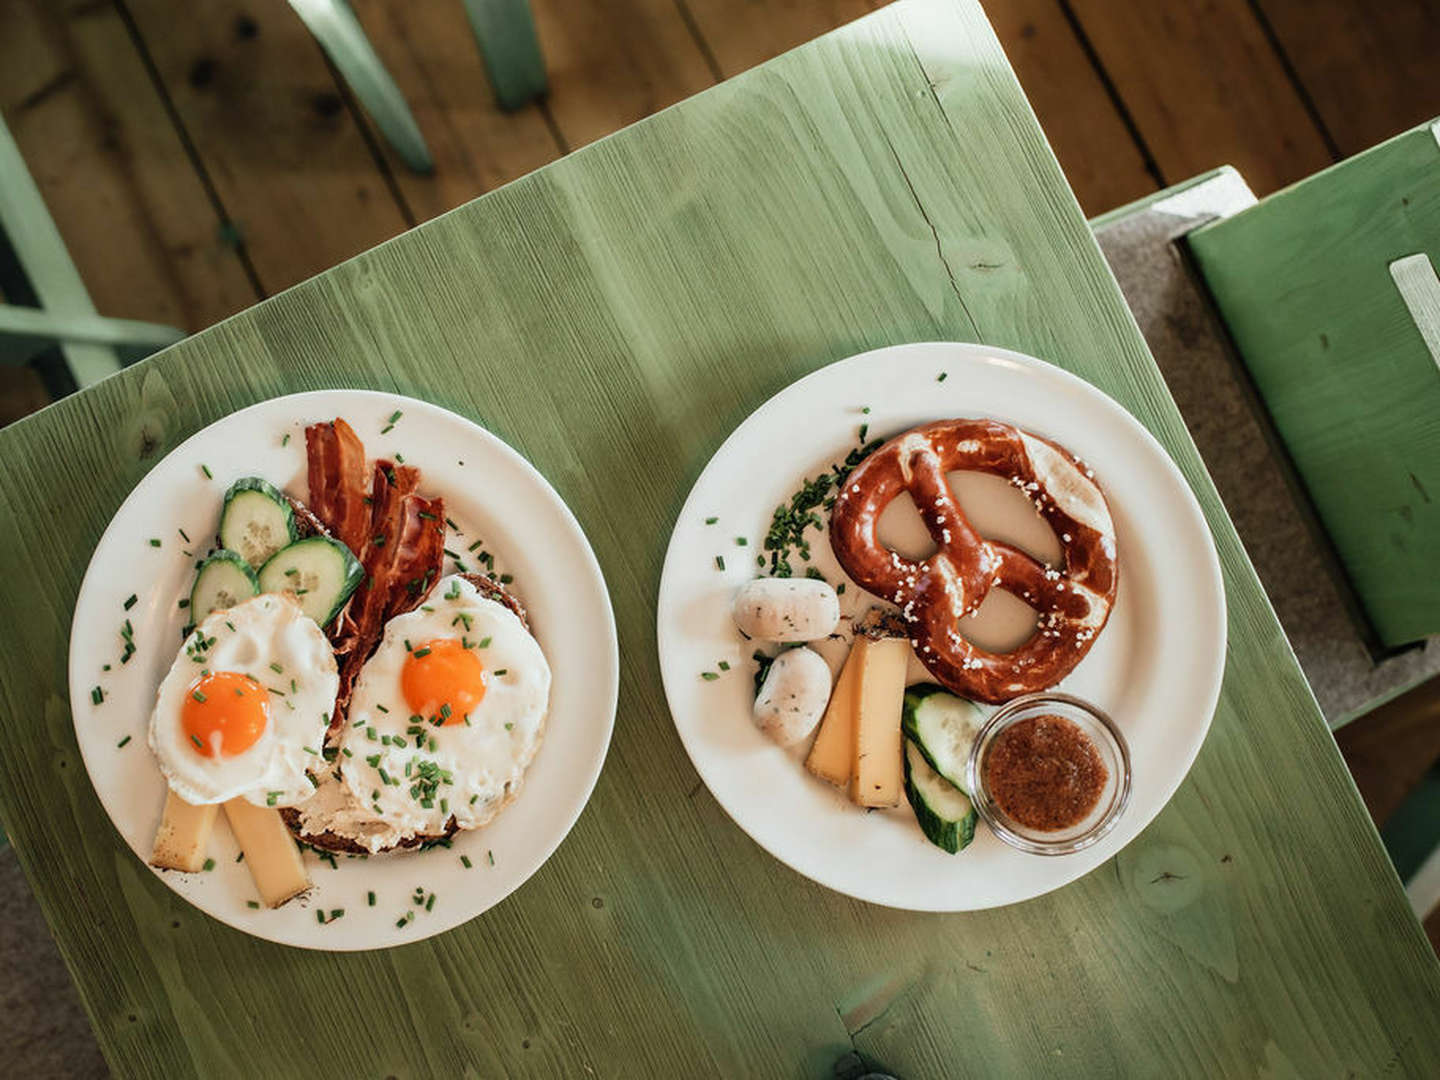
(492,494)
(1156,668)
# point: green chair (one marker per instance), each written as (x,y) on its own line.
(49,320)
(504,29)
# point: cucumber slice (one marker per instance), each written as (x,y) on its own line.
(223,580)
(944,812)
(321,573)
(257,520)
(943,727)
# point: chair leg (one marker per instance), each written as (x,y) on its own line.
(28,322)
(339,33)
(505,30)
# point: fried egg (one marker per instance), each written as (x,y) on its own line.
(244,708)
(446,715)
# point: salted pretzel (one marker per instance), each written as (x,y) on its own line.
(1073,599)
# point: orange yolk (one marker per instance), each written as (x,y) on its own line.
(228,704)
(442,678)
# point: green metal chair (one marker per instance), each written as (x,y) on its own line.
(504,29)
(49,319)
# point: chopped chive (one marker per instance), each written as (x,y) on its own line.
(430,902)
(286,440)
(719,562)
(370,898)
(348,752)
(276,668)
(291,572)
(491,856)
(271,796)
(311,750)
(335,913)
(840,589)
(131,602)
(864,430)
(154,542)
(506,579)
(709,676)
(724,665)
(123,741)
(866,410)
(254,903)
(382,708)
(183,536)
(384,776)
(209,865)
(475,545)
(509,726)
(501,671)
(445,710)
(425,515)
(473,798)
(484,643)
(184,602)
(711,520)
(399,457)
(465,861)
(387,429)
(196,740)
(740,541)
(942,376)
(394,416)
(421,652)
(206,470)
(97,695)
(231,625)
(320,917)
(240,857)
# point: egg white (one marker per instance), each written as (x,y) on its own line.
(247,639)
(485,760)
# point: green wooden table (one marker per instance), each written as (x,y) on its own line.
(614,316)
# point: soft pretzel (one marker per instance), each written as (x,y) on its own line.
(1073,599)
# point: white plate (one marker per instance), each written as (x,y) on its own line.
(1156,668)
(493,494)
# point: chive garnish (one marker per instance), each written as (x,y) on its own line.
(484,643)
(131,602)
(866,410)
(254,903)
(399,457)
(206,470)
(240,857)
(97,695)
(864,430)
(370,898)
(491,856)
(501,671)
(465,861)
(942,376)
(430,902)
(740,541)
(422,652)
(122,742)
(291,572)
(198,696)
(154,542)
(183,536)
(271,796)
(709,676)
(394,416)
(286,440)
(209,865)
(719,562)
(724,665)
(184,602)
(276,668)
(506,579)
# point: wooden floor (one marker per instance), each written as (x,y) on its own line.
(199,155)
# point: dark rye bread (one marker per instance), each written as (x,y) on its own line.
(343,845)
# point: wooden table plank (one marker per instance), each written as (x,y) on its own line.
(1370,69)
(263,112)
(431,52)
(1205,88)
(112,169)
(612,62)
(635,301)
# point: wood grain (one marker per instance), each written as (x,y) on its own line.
(636,300)
(1102,161)
(272,131)
(429,49)
(1205,88)
(741,34)
(112,169)
(1369,68)
(612,62)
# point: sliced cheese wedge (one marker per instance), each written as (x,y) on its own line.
(270,851)
(182,842)
(879,773)
(832,756)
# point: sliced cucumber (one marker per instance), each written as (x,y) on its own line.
(223,580)
(319,570)
(944,728)
(257,520)
(944,812)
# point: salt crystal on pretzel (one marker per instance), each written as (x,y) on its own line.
(1074,599)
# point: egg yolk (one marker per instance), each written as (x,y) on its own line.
(225,713)
(442,678)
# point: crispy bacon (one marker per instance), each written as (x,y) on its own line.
(402,559)
(336,459)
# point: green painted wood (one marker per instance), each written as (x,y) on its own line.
(613,316)
(505,32)
(1303,281)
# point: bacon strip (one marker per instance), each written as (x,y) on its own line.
(402,557)
(336,459)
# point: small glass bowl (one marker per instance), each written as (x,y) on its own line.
(1108,742)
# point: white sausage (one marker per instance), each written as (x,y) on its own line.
(787,609)
(793,696)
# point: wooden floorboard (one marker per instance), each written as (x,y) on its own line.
(612,62)
(1102,160)
(743,33)
(1205,88)
(113,171)
(1371,69)
(256,98)
(428,47)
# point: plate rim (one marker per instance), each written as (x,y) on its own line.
(608,658)
(981,353)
